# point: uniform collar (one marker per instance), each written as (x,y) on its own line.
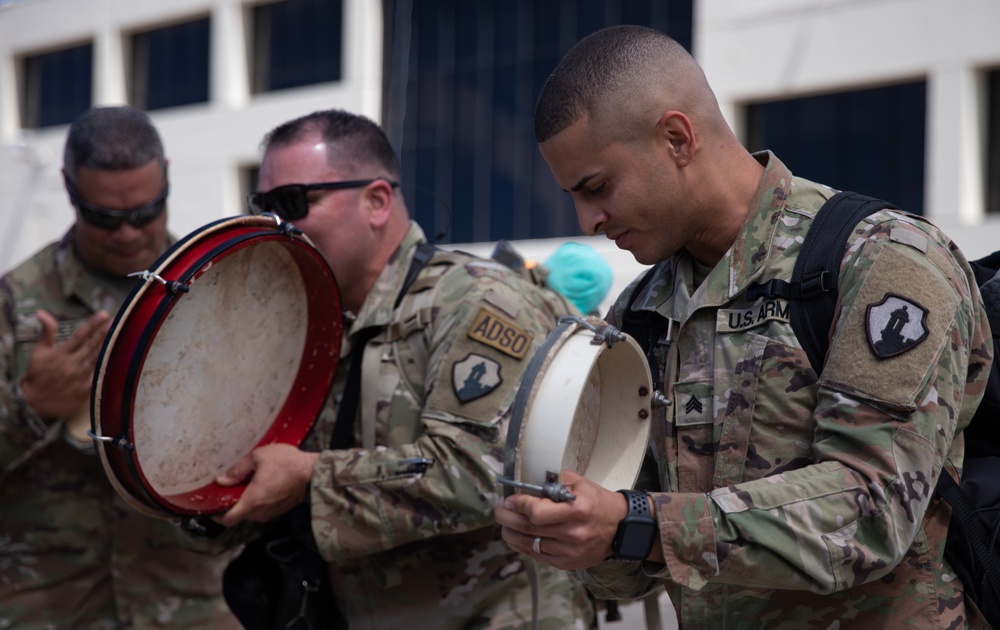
(749,255)
(78,279)
(743,262)
(82,282)
(379,304)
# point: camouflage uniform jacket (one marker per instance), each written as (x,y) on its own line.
(72,553)
(406,520)
(803,500)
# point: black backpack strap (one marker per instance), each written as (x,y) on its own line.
(646,327)
(973,529)
(343,427)
(812,291)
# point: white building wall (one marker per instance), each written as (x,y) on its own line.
(750,49)
(755,50)
(206,143)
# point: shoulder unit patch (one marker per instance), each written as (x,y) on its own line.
(474,376)
(895,325)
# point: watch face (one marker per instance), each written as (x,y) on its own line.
(636,540)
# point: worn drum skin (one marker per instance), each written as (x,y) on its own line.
(230,343)
(584,406)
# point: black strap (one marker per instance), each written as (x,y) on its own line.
(812,291)
(971,527)
(646,327)
(343,427)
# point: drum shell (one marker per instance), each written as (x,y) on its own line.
(125,403)
(583,407)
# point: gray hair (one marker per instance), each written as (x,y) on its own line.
(111,138)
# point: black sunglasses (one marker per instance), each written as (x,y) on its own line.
(108,219)
(291,202)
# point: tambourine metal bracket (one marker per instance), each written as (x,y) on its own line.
(284,227)
(603,334)
(173,286)
(551,489)
(288,229)
(120,442)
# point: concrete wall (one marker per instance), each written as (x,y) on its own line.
(754,50)
(750,49)
(206,143)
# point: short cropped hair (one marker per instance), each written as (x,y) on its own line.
(600,73)
(111,139)
(352,140)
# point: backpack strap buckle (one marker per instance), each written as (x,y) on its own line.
(815,284)
(773,288)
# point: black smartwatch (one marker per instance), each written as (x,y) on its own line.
(637,531)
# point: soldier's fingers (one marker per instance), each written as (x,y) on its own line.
(88,333)
(237,473)
(49,327)
(233,516)
(90,349)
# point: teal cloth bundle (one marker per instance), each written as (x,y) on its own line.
(581,274)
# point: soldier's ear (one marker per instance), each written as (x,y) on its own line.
(378,201)
(675,129)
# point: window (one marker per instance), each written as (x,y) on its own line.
(460,88)
(56,86)
(170,66)
(869,141)
(993,142)
(296,43)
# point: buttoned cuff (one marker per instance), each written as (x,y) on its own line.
(687,536)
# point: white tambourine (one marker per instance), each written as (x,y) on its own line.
(584,405)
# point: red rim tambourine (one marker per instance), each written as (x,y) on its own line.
(230,342)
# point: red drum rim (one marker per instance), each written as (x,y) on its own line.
(124,352)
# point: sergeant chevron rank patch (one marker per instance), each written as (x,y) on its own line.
(474,376)
(895,325)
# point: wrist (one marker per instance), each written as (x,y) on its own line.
(24,408)
(636,532)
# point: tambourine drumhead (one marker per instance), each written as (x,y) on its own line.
(582,406)
(188,383)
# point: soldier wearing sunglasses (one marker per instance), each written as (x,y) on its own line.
(79,556)
(401,510)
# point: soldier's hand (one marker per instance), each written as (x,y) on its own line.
(277,476)
(60,373)
(573,534)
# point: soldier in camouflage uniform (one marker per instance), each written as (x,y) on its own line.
(790,495)
(73,554)
(405,517)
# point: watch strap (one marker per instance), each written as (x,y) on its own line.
(638,503)
(638,519)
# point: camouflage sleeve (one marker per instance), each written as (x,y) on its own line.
(887,413)
(21,430)
(440,475)
(606,580)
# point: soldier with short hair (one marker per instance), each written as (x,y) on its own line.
(73,553)
(787,494)
(402,511)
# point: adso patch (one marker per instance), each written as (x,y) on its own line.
(500,333)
